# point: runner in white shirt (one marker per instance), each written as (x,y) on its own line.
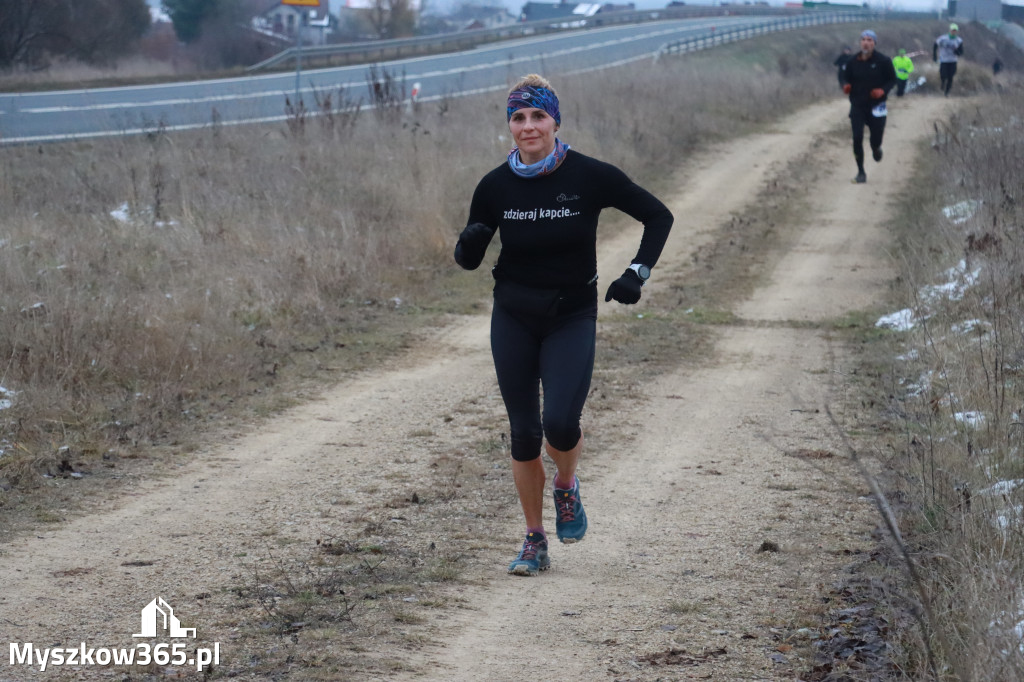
(946,51)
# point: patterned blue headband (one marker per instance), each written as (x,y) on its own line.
(530,97)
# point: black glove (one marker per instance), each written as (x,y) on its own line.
(625,289)
(472,245)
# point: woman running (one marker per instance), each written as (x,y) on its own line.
(545,200)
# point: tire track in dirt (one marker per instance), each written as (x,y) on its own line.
(676,520)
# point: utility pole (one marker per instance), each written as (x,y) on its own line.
(303,19)
(298,59)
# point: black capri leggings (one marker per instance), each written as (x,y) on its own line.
(556,353)
(876,127)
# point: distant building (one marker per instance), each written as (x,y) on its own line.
(281,21)
(1013,10)
(541,11)
(976,10)
(469,17)
(808,4)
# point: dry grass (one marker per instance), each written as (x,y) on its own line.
(953,456)
(73,74)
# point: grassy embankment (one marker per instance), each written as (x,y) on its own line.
(949,429)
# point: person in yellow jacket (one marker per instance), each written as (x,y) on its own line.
(904,67)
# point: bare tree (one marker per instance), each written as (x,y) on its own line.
(392,18)
(225,37)
(402,21)
(90,30)
(100,30)
(24,26)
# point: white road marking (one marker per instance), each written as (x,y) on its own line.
(426,74)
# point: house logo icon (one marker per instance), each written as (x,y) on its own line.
(152,623)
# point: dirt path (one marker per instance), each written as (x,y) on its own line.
(672,560)
(716,467)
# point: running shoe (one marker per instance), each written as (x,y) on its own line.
(876,153)
(570,519)
(533,557)
(861,178)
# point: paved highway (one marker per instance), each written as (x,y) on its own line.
(71,114)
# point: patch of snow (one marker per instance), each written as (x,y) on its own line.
(969,326)
(962,211)
(900,321)
(922,385)
(122,214)
(1002,487)
(34,309)
(1004,521)
(959,280)
(971,418)
(992,130)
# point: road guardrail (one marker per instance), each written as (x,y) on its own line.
(384,50)
(729,35)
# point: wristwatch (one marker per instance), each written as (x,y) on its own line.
(642,271)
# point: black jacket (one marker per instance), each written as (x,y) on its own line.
(842,59)
(864,75)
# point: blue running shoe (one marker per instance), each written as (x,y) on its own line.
(570,519)
(533,557)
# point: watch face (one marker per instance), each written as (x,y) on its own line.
(644,272)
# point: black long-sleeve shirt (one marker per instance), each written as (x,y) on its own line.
(864,75)
(548,224)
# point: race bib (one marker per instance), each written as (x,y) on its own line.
(879,111)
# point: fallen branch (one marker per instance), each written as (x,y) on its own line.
(928,623)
